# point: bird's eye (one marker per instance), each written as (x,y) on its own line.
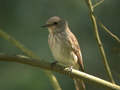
(55,23)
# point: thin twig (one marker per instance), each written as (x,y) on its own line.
(108,31)
(91,9)
(29,53)
(98,3)
(44,64)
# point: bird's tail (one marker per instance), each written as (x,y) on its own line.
(79,84)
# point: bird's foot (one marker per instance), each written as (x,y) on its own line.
(69,70)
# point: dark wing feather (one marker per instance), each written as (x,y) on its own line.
(76,49)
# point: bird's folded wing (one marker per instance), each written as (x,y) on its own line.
(76,49)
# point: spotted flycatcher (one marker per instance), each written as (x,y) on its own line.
(64,46)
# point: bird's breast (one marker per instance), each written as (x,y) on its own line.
(60,50)
(56,46)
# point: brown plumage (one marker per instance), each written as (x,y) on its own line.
(65,47)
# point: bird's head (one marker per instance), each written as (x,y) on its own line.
(55,24)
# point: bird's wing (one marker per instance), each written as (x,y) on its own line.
(76,49)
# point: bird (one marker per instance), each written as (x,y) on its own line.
(64,46)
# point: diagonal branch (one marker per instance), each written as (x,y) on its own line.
(43,64)
(29,53)
(98,3)
(108,31)
(99,42)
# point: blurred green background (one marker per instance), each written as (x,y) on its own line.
(22,19)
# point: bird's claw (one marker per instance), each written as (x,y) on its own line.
(69,69)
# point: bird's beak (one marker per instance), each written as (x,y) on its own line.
(47,25)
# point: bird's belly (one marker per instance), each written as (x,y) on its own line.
(62,54)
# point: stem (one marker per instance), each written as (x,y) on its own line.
(43,64)
(29,53)
(108,31)
(93,19)
(98,3)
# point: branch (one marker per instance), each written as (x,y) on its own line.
(98,3)
(108,31)
(43,64)
(93,19)
(29,53)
